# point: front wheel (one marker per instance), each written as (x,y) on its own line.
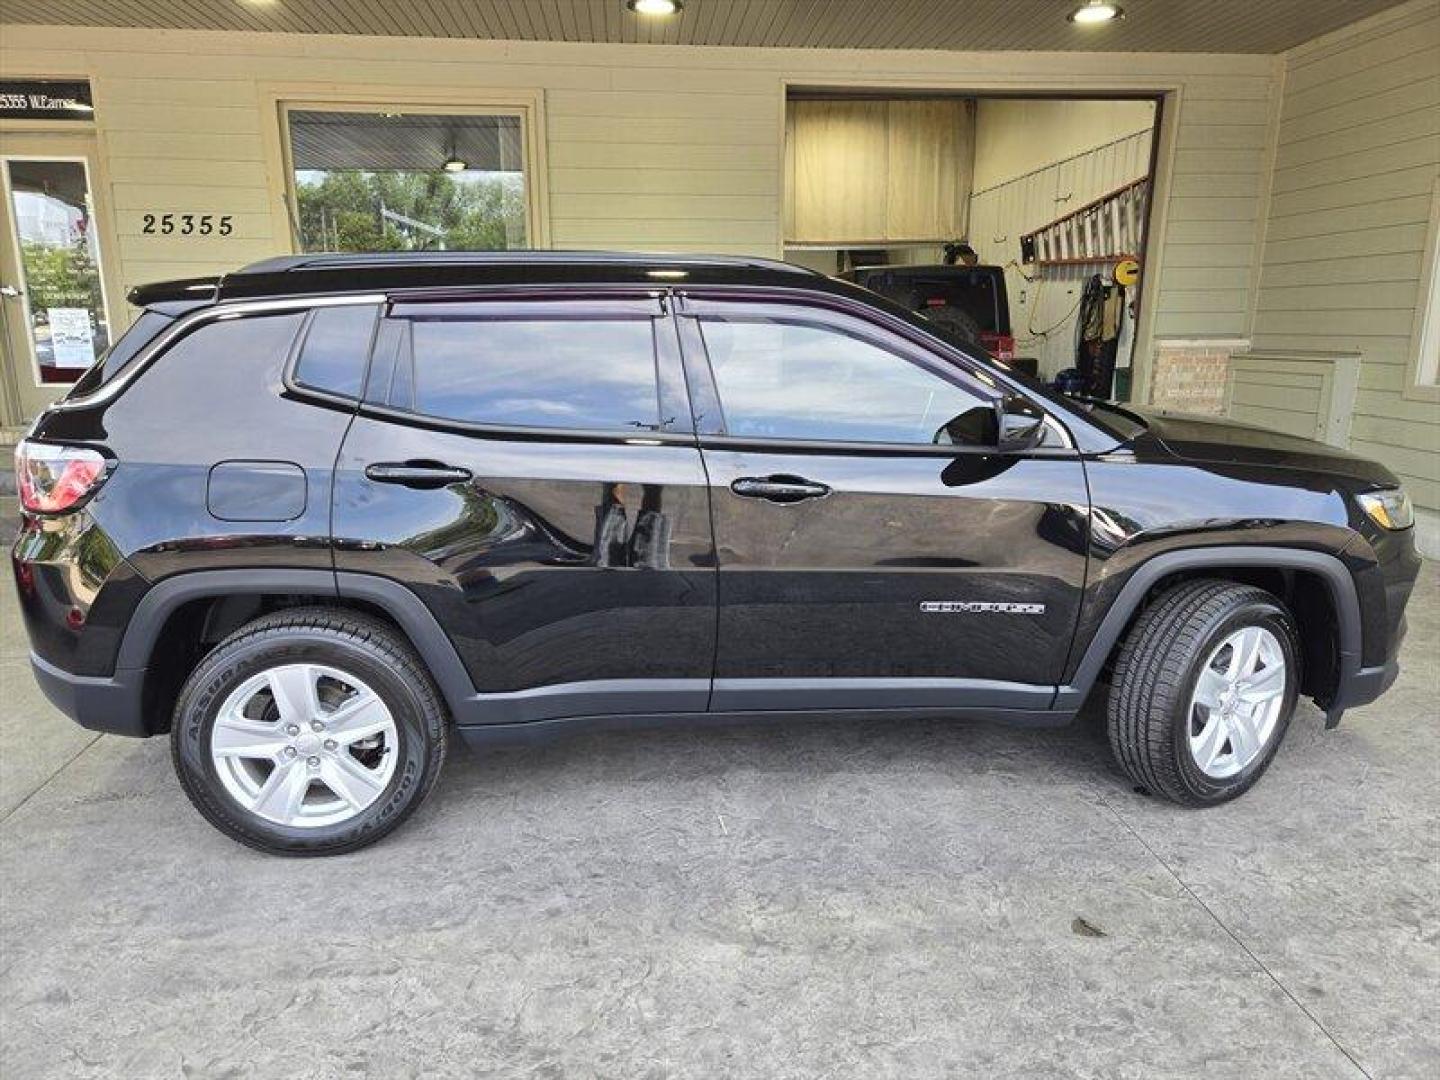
(310,731)
(1204,687)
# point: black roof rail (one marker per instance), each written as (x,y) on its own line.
(352,261)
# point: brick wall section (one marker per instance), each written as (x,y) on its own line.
(1191,377)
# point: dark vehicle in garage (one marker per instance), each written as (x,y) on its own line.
(316,516)
(970,302)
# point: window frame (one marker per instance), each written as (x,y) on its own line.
(694,307)
(1422,376)
(671,399)
(78,148)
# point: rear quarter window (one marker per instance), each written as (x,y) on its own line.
(336,348)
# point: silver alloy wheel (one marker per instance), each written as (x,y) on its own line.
(304,745)
(1237,702)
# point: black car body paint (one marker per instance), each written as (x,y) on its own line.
(563,572)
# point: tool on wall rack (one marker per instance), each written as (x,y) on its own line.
(1110,228)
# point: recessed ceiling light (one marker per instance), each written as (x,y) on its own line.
(654,7)
(455,164)
(1095,12)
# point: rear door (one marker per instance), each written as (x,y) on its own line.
(528,468)
(863,565)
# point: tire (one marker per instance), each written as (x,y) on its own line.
(377,730)
(1159,727)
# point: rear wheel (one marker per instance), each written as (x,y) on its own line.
(309,732)
(1204,687)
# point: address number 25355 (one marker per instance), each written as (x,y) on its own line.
(189,224)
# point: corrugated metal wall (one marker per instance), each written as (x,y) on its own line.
(1042,309)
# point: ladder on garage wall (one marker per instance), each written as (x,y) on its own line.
(1106,230)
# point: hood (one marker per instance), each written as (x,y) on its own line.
(1226,442)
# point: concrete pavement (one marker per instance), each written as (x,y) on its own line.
(903,899)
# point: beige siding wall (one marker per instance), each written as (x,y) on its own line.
(1017,136)
(646,146)
(1357,156)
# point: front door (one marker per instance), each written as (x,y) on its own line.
(54,299)
(874,550)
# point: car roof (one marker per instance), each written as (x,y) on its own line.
(325,273)
(333,274)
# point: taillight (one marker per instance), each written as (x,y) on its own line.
(56,478)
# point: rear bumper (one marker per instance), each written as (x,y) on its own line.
(109,703)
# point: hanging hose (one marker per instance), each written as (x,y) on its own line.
(1088,322)
(1095,342)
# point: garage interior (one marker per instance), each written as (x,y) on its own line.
(1052,192)
(906,900)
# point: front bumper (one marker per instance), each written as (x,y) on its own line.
(1362,688)
(108,703)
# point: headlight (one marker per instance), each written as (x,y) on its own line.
(1390,509)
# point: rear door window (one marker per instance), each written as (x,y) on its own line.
(584,368)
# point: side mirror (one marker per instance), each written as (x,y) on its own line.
(1021,423)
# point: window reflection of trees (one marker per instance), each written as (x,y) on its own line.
(596,374)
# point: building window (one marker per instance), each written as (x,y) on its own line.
(408,180)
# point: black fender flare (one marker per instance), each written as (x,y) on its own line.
(1337,578)
(406,609)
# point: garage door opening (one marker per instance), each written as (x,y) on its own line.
(1017,222)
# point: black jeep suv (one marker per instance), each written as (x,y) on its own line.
(315,515)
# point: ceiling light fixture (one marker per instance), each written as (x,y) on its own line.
(1095,12)
(654,7)
(455,164)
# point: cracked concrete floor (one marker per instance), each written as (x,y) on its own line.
(902,899)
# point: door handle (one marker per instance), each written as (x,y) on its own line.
(780,489)
(416,474)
